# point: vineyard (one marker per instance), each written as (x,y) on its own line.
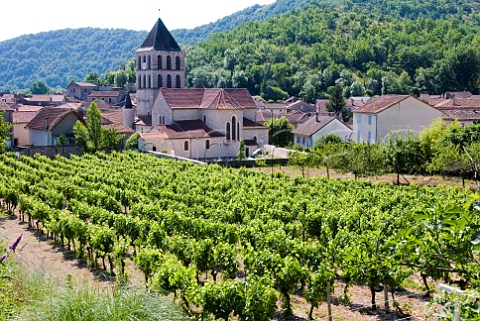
(233,243)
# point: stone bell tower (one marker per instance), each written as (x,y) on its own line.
(160,64)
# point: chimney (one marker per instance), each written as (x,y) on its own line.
(424,95)
(317,117)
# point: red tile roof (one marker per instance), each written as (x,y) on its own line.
(461,114)
(49,117)
(23,117)
(381,103)
(47,98)
(249,124)
(109,93)
(29,108)
(182,130)
(461,103)
(208,98)
(312,126)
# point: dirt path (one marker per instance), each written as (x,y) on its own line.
(37,252)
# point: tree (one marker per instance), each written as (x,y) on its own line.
(241,151)
(280,131)
(404,154)
(93,78)
(92,135)
(5,132)
(336,102)
(39,87)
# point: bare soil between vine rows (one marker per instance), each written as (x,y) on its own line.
(37,252)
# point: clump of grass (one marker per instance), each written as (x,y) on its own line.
(92,304)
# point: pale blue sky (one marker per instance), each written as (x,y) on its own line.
(21,17)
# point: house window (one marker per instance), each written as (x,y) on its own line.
(359,118)
(238,130)
(207,144)
(161,119)
(205,119)
(185,145)
(177,82)
(299,140)
(160,81)
(169,81)
(169,63)
(369,137)
(234,128)
(154,148)
(177,63)
(303,140)
(255,139)
(159,62)
(369,119)
(227,131)
(109,100)
(358,137)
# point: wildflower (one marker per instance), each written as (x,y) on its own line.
(4,256)
(15,244)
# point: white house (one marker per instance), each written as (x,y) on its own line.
(195,123)
(309,132)
(50,123)
(373,122)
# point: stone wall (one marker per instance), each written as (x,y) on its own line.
(51,151)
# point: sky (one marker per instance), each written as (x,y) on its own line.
(20,17)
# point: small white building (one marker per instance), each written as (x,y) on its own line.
(309,132)
(50,123)
(403,114)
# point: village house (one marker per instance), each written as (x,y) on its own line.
(80,90)
(465,110)
(375,121)
(307,133)
(50,123)
(196,123)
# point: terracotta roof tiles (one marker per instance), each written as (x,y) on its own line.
(48,118)
(381,103)
(182,130)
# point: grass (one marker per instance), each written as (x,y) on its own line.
(116,304)
(29,295)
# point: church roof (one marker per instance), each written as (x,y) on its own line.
(208,98)
(160,39)
(184,129)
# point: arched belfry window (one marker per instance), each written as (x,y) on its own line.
(234,128)
(160,81)
(139,63)
(159,62)
(144,81)
(238,131)
(149,81)
(139,81)
(177,63)
(149,65)
(169,81)
(178,83)
(169,63)
(227,131)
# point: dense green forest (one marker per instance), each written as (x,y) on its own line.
(58,57)
(368,47)
(254,13)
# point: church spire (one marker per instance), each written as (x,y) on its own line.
(160,39)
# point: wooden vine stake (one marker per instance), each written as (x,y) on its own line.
(329,302)
(385,296)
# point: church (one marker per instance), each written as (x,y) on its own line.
(198,123)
